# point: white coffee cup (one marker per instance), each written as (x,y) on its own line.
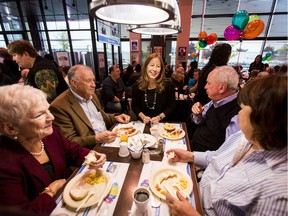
(141,197)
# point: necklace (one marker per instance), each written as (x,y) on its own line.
(38,153)
(154,101)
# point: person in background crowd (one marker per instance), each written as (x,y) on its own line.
(283,69)
(266,65)
(78,112)
(257,64)
(114,90)
(64,71)
(51,58)
(168,70)
(177,79)
(24,74)
(276,68)
(42,73)
(220,56)
(248,174)
(263,73)
(5,79)
(153,97)
(217,119)
(12,69)
(126,75)
(193,83)
(35,158)
(270,70)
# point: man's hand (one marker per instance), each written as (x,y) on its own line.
(106,137)
(197,108)
(123,118)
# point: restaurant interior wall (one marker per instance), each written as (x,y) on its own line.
(65,25)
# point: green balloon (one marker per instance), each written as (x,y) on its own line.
(269,58)
(253,17)
(198,46)
(268,55)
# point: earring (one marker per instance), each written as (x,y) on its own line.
(15,137)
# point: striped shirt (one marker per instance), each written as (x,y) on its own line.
(257,185)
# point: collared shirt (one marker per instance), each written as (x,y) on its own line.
(256,185)
(233,126)
(95,117)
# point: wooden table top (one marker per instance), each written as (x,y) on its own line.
(125,200)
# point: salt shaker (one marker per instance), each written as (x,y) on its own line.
(145,156)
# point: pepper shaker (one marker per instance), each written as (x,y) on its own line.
(145,156)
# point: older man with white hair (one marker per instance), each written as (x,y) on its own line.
(218,118)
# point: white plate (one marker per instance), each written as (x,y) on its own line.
(127,129)
(79,180)
(135,141)
(160,172)
(169,135)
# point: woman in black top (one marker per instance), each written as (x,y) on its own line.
(153,97)
(257,64)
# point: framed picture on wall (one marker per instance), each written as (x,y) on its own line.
(181,53)
(158,50)
(134,45)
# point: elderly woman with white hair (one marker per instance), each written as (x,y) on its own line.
(35,157)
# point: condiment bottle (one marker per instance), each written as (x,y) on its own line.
(145,156)
(161,146)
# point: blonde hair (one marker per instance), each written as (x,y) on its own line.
(16,100)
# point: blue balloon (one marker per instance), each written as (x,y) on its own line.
(240,19)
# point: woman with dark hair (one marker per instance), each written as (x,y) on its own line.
(153,97)
(257,64)
(248,174)
(219,57)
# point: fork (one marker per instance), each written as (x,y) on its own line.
(174,184)
(91,192)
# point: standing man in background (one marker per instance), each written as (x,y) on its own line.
(43,74)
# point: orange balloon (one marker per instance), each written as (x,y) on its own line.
(253,29)
(214,36)
(202,35)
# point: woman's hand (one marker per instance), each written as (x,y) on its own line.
(101,159)
(181,155)
(155,119)
(53,187)
(180,207)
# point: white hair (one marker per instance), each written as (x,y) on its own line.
(16,100)
(227,74)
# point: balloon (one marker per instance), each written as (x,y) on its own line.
(192,55)
(198,46)
(253,17)
(231,33)
(215,37)
(203,43)
(269,58)
(253,29)
(209,39)
(264,58)
(240,19)
(268,55)
(202,35)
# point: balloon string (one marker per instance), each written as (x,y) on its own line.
(203,14)
(238,8)
(239,51)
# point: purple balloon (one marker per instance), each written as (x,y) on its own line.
(231,33)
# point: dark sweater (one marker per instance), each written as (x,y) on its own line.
(210,134)
(46,77)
